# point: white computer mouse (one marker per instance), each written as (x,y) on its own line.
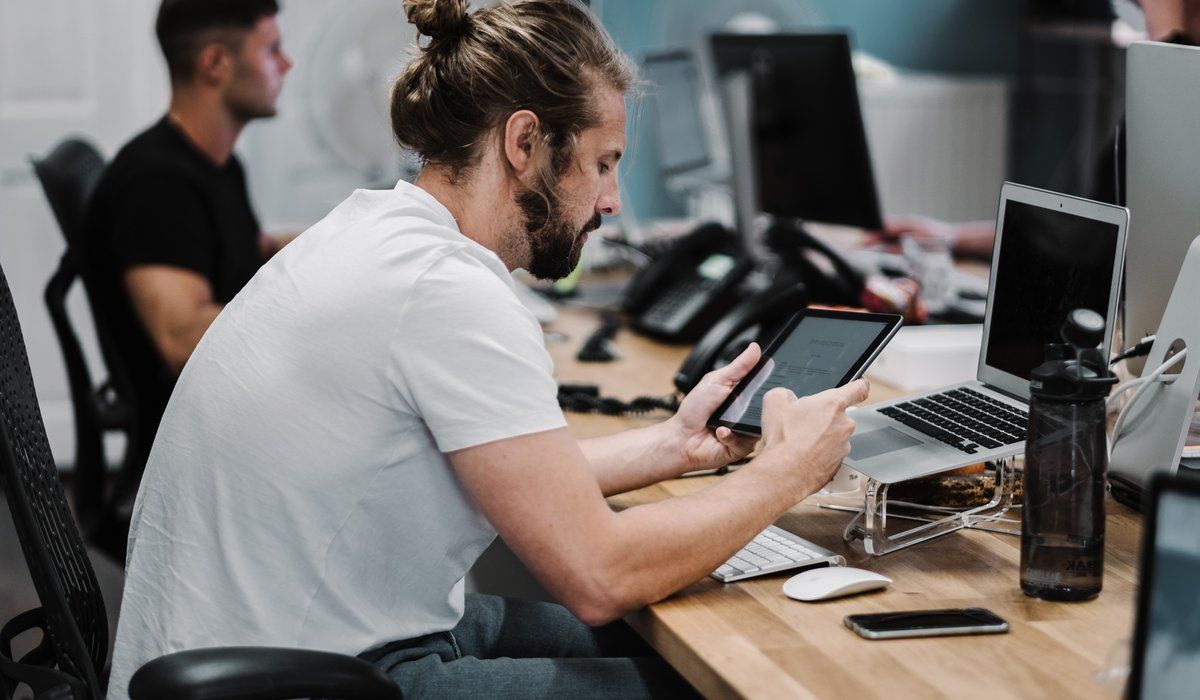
(832,582)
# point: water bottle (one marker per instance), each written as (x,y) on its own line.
(1066,458)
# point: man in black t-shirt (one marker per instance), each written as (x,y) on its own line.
(171,236)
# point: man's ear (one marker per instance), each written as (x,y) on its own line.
(213,63)
(520,132)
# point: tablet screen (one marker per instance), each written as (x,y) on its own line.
(818,351)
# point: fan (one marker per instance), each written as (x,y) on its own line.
(356,51)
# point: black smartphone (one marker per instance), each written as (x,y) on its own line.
(818,349)
(927,623)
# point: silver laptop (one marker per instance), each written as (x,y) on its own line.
(1053,253)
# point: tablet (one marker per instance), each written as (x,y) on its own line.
(818,349)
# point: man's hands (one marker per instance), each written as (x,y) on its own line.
(806,439)
(702,448)
(811,434)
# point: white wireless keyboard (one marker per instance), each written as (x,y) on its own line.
(775,550)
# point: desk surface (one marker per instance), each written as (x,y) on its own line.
(748,640)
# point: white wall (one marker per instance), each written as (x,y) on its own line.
(66,67)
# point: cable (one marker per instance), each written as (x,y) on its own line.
(1147,382)
(585,398)
(1142,347)
(598,346)
(1121,389)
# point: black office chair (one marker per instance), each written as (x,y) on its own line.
(69,659)
(69,175)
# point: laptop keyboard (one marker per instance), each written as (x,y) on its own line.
(963,418)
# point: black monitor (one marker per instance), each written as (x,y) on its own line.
(811,156)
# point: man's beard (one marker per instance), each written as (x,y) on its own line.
(554,243)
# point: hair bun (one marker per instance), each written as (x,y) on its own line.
(437,18)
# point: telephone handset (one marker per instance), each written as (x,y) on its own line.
(758,318)
(798,281)
(795,246)
(685,290)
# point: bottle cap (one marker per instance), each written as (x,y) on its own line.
(1075,370)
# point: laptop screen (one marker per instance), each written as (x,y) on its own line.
(1049,263)
(1167,645)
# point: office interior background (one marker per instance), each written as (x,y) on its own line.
(957,95)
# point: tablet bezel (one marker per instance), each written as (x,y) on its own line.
(892,321)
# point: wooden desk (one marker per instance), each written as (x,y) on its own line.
(748,640)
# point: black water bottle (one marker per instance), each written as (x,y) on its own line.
(1066,459)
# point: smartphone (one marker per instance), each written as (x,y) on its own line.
(818,349)
(927,623)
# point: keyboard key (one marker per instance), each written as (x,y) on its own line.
(774,550)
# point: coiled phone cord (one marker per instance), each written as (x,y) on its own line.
(585,398)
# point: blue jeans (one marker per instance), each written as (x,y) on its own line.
(508,648)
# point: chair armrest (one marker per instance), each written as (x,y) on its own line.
(260,673)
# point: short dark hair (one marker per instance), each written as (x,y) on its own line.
(185,26)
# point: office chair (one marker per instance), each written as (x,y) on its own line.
(68,176)
(69,659)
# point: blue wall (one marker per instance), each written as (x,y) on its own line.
(966,37)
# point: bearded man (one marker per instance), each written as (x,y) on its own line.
(356,427)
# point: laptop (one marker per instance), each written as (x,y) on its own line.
(1053,253)
(1165,658)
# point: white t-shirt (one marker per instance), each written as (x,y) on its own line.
(298,493)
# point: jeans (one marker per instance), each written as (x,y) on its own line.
(508,648)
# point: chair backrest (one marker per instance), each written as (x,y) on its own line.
(75,621)
(68,175)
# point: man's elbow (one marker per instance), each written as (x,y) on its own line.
(174,354)
(597,603)
(595,613)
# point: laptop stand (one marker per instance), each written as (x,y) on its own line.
(885,525)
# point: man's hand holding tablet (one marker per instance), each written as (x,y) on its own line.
(805,437)
(817,350)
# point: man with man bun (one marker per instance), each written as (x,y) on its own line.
(360,422)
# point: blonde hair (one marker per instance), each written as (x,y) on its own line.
(546,56)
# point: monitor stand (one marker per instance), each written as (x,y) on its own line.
(1156,428)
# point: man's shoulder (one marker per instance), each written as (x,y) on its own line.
(415,235)
(153,156)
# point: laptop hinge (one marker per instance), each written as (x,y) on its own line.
(1009,394)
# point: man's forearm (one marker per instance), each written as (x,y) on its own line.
(635,458)
(668,545)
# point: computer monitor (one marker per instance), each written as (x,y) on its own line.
(683,140)
(1166,642)
(811,156)
(1162,167)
